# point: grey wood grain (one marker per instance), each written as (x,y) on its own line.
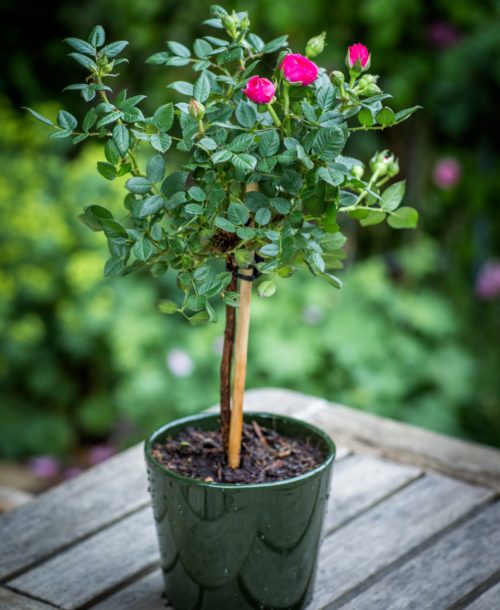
(144,594)
(489,600)
(443,574)
(13,601)
(392,529)
(360,481)
(71,511)
(363,431)
(96,565)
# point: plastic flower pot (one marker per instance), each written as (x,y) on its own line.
(239,547)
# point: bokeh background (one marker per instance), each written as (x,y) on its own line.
(87,366)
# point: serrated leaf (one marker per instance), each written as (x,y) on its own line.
(157,59)
(93,215)
(245,114)
(403,218)
(275,44)
(66,121)
(97,36)
(147,207)
(308,111)
(155,169)
(114,230)
(328,143)
(182,87)
(241,143)
(112,117)
(266,289)
(197,193)
(114,48)
(138,185)
(178,49)
(332,279)
(202,48)
(238,213)
(89,119)
(269,250)
(208,143)
(84,61)
(143,249)
(221,156)
(224,224)
(281,205)
(167,306)
(163,118)
(114,267)
(194,208)
(269,143)
(80,45)
(161,141)
(121,138)
(330,176)
(245,163)
(38,116)
(402,115)
(325,96)
(201,89)
(107,170)
(392,196)
(262,216)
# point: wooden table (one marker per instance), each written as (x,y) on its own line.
(414,522)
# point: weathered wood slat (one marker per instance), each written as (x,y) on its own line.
(144,594)
(443,574)
(72,511)
(354,554)
(360,481)
(489,600)
(96,565)
(363,431)
(12,601)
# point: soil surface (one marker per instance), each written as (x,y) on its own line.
(266,456)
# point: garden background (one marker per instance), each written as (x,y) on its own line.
(87,365)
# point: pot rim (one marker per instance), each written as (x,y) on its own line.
(190,419)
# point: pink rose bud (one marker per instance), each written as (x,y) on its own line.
(358,57)
(259,90)
(299,69)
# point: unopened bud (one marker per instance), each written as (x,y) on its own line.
(367,85)
(245,22)
(357,171)
(196,109)
(393,168)
(315,45)
(381,161)
(337,78)
(230,22)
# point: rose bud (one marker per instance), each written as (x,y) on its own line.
(259,90)
(316,45)
(298,69)
(367,85)
(382,161)
(358,58)
(196,109)
(357,171)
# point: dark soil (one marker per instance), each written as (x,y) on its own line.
(265,456)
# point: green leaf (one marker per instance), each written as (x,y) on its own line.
(182,87)
(107,170)
(201,89)
(385,116)
(155,169)
(143,249)
(241,143)
(114,267)
(374,217)
(80,45)
(325,96)
(163,118)
(147,207)
(392,196)
(161,142)
(365,117)
(328,143)
(114,48)
(138,185)
(245,115)
(402,115)
(269,250)
(202,48)
(157,59)
(224,224)
(167,306)
(194,208)
(275,44)
(330,176)
(93,215)
(221,156)
(121,138)
(197,193)
(178,49)
(245,163)
(332,279)
(403,218)
(174,182)
(111,152)
(199,318)
(66,120)
(281,205)
(38,116)
(84,61)
(266,289)
(262,216)
(114,230)
(238,213)
(109,118)
(97,36)
(89,119)
(208,143)
(269,143)
(308,111)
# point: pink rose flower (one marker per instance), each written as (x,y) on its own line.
(447,172)
(259,90)
(358,53)
(299,69)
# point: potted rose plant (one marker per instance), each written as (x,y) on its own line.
(260,194)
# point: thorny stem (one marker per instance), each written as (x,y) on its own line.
(226,363)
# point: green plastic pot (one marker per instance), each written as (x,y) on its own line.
(239,547)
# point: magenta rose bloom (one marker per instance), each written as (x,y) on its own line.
(358,54)
(259,90)
(299,69)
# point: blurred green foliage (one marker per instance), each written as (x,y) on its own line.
(82,358)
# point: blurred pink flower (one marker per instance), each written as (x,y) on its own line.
(488,281)
(259,90)
(100,453)
(180,362)
(44,466)
(72,472)
(442,34)
(447,172)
